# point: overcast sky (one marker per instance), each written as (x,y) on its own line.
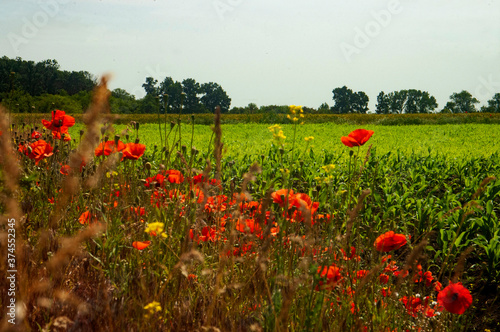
(268,52)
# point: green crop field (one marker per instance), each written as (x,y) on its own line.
(247,228)
(455,141)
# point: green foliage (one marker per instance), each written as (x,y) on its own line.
(462,102)
(41,78)
(347,101)
(405,102)
(493,105)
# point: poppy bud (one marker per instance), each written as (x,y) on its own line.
(192,117)
(148,166)
(137,125)
(106,138)
(127,136)
(81,133)
(183,148)
(117,139)
(282,151)
(194,151)
(137,141)
(162,167)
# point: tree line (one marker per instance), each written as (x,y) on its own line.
(26,86)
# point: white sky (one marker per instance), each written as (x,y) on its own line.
(268,52)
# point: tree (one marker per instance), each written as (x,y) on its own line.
(214,96)
(462,102)
(191,88)
(252,108)
(149,104)
(383,101)
(174,92)
(347,101)
(123,102)
(150,86)
(425,102)
(397,101)
(405,101)
(493,105)
(342,98)
(324,108)
(359,102)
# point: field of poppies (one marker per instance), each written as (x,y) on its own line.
(115,231)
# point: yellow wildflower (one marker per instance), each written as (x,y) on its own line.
(152,308)
(156,228)
(328,168)
(309,138)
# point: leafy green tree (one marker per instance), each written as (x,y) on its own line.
(213,96)
(462,102)
(359,102)
(324,108)
(174,92)
(405,101)
(150,87)
(493,105)
(150,104)
(191,89)
(342,97)
(425,103)
(347,101)
(123,102)
(18,101)
(47,103)
(383,103)
(397,101)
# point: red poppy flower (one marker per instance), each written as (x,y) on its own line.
(280,196)
(249,226)
(109,147)
(141,245)
(455,298)
(64,136)
(60,122)
(139,211)
(40,150)
(22,148)
(65,169)
(173,176)
(36,135)
(133,151)
(331,274)
(389,241)
(357,137)
(383,278)
(86,218)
